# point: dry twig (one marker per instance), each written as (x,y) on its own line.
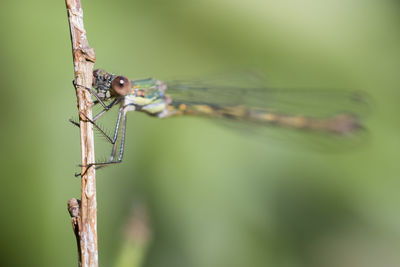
(84,215)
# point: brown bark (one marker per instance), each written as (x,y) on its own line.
(84,214)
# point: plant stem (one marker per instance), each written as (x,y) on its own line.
(84,214)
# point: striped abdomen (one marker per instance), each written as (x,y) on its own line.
(339,124)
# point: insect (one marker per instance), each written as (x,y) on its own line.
(330,112)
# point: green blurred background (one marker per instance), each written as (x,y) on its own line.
(213,196)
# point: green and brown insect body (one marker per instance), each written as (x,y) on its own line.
(148,95)
(259,105)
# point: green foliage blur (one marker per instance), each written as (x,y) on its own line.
(212,196)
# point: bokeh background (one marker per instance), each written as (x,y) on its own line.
(212,196)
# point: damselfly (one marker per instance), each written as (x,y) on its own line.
(337,113)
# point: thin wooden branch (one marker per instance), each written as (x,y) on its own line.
(85,220)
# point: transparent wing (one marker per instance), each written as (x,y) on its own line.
(251,90)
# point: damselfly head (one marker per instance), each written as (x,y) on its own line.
(102,81)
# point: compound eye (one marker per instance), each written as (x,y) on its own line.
(121,85)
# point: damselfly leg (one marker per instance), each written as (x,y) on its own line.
(97,101)
(113,141)
(93,92)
